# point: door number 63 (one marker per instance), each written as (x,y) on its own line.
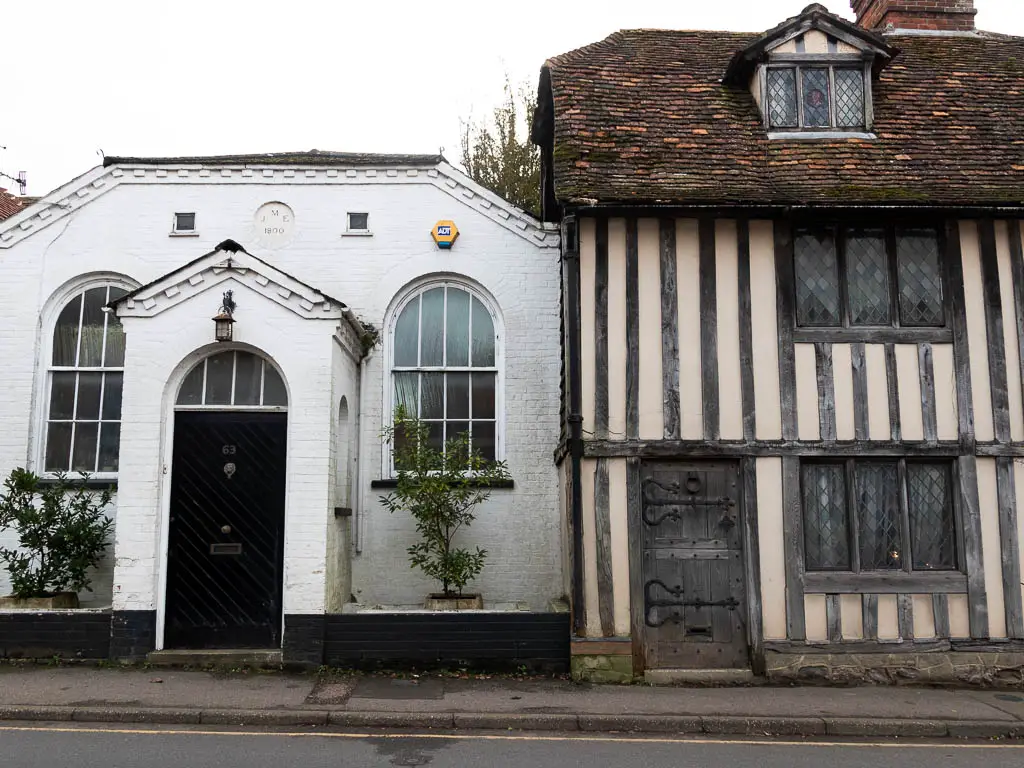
(229,450)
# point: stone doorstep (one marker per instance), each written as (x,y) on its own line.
(217,658)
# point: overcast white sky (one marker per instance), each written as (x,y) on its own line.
(192,77)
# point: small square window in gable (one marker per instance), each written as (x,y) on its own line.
(184,224)
(358,223)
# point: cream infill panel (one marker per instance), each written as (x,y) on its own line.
(852,612)
(1013,380)
(620,543)
(878,392)
(590,548)
(924,617)
(815,618)
(888,618)
(764,319)
(959,617)
(945,392)
(616,329)
(651,386)
(991,546)
(588,260)
(842,376)
(908,374)
(808,426)
(730,398)
(977,335)
(691,403)
(771,547)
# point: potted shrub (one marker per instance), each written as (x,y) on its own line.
(441,489)
(63,532)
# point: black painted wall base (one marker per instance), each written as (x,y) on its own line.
(67,634)
(132,635)
(538,641)
(304,639)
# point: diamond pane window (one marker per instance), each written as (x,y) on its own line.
(876,495)
(888,498)
(817,112)
(826,537)
(782,104)
(868,278)
(932,538)
(817,279)
(83,422)
(815,97)
(920,282)
(849,98)
(880,269)
(444,365)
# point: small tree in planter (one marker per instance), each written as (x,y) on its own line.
(62,530)
(441,490)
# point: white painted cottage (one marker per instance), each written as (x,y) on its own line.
(248,471)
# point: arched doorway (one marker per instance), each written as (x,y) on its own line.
(226,527)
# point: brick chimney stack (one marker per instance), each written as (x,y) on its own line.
(936,15)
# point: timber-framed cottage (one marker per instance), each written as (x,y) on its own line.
(793,290)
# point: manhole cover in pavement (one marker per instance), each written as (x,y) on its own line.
(1009,697)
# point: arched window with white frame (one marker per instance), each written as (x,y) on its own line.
(85,376)
(445,364)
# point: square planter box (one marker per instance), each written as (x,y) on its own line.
(464,603)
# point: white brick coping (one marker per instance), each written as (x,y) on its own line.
(92,184)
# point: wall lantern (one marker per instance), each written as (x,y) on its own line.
(223,322)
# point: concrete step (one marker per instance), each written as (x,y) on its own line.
(216,657)
(715,676)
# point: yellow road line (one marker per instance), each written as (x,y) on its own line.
(696,739)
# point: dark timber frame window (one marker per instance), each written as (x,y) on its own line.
(880,515)
(868,277)
(818,96)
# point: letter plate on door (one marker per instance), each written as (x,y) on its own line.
(225,549)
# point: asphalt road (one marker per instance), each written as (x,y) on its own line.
(47,746)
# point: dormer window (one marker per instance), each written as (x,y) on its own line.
(814,97)
(811,77)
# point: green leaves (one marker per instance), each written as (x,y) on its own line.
(499,154)
(440,489)
(62,529)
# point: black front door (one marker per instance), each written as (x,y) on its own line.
(226,541)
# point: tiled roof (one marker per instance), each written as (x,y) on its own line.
(643,116)
(10,205)
(312,157)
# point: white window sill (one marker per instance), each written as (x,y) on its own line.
(96,481)
(190,233)
(358,233)
(818,135)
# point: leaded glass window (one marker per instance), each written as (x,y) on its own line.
(445,365)
(83,424)
(817,279)
(917,253)
(826,537)
(815,97)
(817,104)
(856,515)
(782,102)
(857,277)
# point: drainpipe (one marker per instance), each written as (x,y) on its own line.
(571,266)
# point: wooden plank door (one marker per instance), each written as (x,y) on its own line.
(694,600)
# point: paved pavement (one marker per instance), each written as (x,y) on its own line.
(173,747)
(89,694)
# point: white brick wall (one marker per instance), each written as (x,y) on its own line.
(122,226)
